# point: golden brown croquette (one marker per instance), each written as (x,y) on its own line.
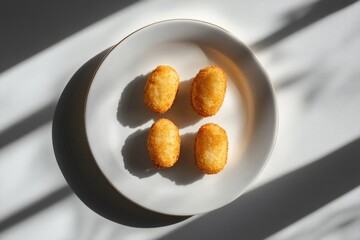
(161,88)
(163,143)
(211,148)
(208,91)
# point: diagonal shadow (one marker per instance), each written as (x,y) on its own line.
(27,125)
(35,207)
(317,11)
(279,203)
(50,23)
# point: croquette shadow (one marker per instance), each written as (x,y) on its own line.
(132,112)
(181,112)
(131,109)
(184,171)
(136,159)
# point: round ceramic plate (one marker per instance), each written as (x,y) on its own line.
(117,121)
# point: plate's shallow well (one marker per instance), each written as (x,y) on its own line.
(117,121)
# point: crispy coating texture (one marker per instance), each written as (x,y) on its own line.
(163,143)
(211,148)
(208,91)
(161,88)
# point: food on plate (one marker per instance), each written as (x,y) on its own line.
(161,88)
(208,91)
(211,148)
(163,143)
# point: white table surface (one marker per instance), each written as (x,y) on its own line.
(311,51)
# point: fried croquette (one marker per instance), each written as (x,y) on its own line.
(163,143)
(161,88)
(208,91)
(211,148)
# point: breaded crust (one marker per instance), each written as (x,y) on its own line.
(163,143)
(211,148)
(208,91)
(161,88)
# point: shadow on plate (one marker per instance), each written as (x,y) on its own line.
(138,163)
(184,172)
(136,159)
(133,113)
(181,112)
(131,110)
(78,165)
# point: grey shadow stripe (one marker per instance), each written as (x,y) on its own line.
(313,13)
(35,208)
(27,27)
(27,125)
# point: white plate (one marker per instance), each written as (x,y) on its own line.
(117,121)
